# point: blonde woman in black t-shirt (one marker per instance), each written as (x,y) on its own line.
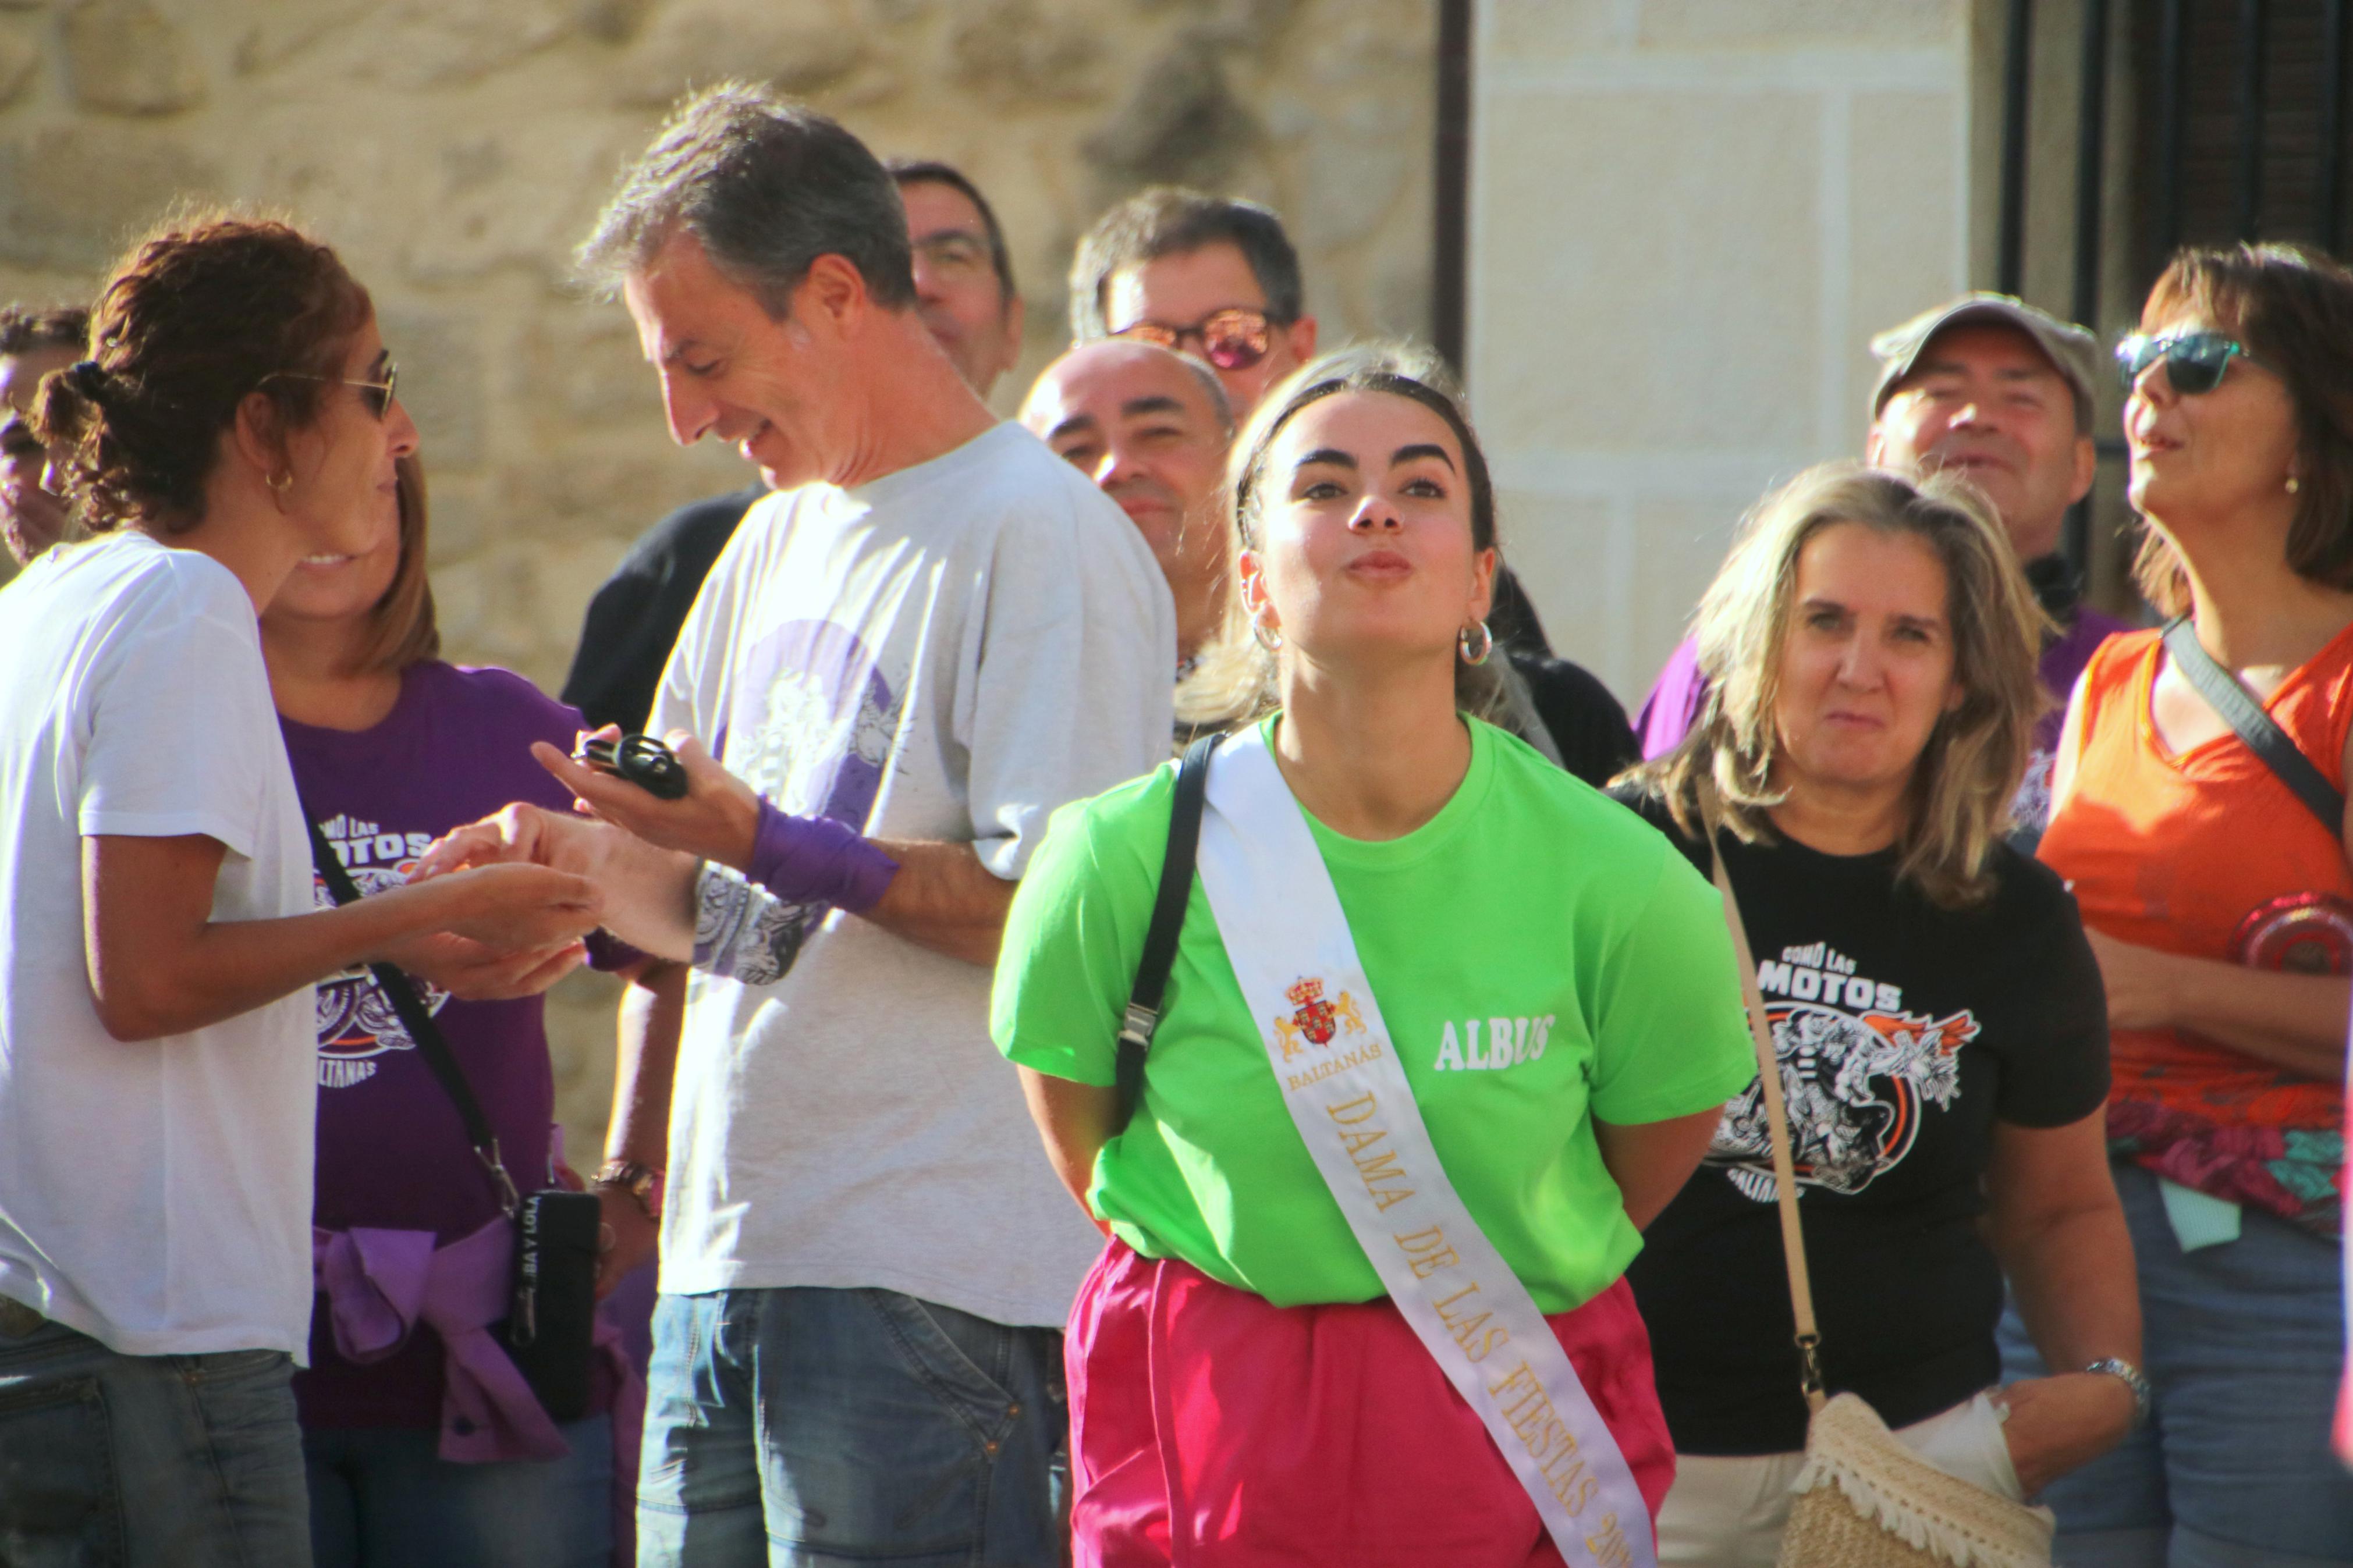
(1870,645)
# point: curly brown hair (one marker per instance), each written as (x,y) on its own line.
(198,318)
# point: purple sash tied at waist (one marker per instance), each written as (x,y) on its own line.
(380,1284)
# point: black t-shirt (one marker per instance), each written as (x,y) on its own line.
(1904,1032)
(634,620)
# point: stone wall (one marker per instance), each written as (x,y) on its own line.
(456,149)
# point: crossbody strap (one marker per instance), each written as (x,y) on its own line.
(2238,708)
(422,1030)
(1776,1120)
(1143,1017)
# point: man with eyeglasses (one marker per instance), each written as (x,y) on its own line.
(1992,388)
(1216,278)
(965,295)
(1213,277)
(32,344)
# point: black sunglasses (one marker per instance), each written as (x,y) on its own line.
(2194,362)
(376,395)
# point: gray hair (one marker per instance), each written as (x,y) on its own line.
(765,185)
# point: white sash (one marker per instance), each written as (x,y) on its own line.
(1291,950)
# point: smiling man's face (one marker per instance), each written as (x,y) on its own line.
(1983,401)
(772,389)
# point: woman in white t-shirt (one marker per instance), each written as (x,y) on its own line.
(159,948)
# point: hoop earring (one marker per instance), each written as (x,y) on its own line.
(1265,635)
(281,483)
(1486,643)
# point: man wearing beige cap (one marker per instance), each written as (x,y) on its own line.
(1993,388)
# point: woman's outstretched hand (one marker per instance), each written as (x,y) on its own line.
(645,894)
(716,820)
(502,931)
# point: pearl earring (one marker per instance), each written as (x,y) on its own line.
(2294,484)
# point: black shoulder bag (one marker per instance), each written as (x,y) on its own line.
(552,1315)
(1143,1016)
(2239,710)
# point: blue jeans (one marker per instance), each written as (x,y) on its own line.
(799,1426)
(2242,1342)
(171,1461)
(383,1498)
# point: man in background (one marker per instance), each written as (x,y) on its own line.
(1993,389)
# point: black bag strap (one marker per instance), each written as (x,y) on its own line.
(2246,717)
(1143,1017)
(410,1009)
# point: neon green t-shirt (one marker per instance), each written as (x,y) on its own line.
(1542,956)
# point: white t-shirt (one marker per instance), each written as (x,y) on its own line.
(947,653)
(156,1195)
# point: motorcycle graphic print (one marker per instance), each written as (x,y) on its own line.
(1858,1072)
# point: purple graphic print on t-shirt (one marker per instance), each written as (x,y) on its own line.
(812,722)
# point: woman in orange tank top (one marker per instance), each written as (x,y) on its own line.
(2220,908)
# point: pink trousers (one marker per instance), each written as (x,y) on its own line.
(1210,1428)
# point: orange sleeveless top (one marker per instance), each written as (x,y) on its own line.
(2206,853)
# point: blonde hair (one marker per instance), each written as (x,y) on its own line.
(1237,681)
(1964,779)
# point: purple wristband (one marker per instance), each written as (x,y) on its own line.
(817,860)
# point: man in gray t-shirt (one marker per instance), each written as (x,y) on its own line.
(932,635)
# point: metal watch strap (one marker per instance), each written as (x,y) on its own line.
(2132,1378)
(640,1181)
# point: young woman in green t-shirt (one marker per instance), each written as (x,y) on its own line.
(1556,983)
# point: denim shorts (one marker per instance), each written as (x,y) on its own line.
(2242,1345)
(171,1461)
(797,1426)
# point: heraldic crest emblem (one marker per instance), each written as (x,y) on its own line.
(1319,1020)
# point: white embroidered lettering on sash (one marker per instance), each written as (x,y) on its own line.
(1336,1061)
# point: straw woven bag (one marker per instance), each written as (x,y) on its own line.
(1864,1498)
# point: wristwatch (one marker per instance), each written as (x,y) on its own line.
(2113,1366)
(644,1183)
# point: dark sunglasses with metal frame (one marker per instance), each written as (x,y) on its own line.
(1235,338)
(376,395)
(2194,362)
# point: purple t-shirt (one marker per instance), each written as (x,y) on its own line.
(392,1150)
(1672,707)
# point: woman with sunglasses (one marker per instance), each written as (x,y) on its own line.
(157,1065)
(1265,1362)
(2220,908)
(390,748)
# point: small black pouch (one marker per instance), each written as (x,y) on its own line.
(553,1315)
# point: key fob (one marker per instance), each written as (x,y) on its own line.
(642,761)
